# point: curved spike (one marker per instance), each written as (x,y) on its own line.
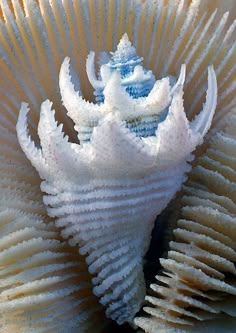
(48,126)
(176,137)
(116,98)
(63,157)
(27,145)
(90,69)
(181,79)
(202,121)
(158,98)
(78,109)
(51,138)
(47,123)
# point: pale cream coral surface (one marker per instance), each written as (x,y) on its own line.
(198,283)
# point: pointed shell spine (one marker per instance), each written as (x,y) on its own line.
(106,191)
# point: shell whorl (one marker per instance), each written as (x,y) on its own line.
(137,81)
(124,71)
(106,192)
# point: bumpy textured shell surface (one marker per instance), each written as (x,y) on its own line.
(44,283)
(199,280)
(37,35)
(107,191)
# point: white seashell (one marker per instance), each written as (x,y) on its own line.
(36,36)
(106,193)
(142,112)
(199,280)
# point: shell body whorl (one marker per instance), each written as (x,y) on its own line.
(111,223)
(106,192)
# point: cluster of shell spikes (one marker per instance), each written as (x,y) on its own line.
(123,86)
(106,192)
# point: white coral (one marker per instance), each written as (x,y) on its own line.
(107,192)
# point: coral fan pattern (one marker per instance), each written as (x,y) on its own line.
(92,188)
(198,283)
(44,283)
(35,37)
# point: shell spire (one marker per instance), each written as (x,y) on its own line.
(142,101)
(125,58)
(137,81)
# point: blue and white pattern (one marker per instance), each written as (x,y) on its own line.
(135,82)
(106,192)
